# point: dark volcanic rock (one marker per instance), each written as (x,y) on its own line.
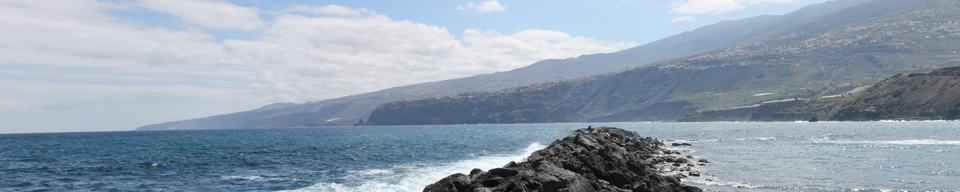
(695,173)
(592,159)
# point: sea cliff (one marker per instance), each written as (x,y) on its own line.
(590,159)
(915,96)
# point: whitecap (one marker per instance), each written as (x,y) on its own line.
(712,181)
(414,178)
(252,178)
(372,172)
(896,142)
(757,139)
(689,141)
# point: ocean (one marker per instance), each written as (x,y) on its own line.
(744,156)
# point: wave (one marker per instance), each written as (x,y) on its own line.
(372,172)
(689,141)
(710,182)
(757,139)
(896,142)
(832,137)
(721,140)
(414,178)
(898,121)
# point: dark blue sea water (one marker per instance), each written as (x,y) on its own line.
(825,156)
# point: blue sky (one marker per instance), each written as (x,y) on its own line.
(640,21)
(87,65)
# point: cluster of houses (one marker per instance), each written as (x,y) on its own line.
(881,32)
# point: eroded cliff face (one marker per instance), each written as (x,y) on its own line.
(591,159)
(761,112)
(571,101)
(641,94)
(918,96)
(733,114)
(820,108)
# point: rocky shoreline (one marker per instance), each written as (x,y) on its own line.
(590,159)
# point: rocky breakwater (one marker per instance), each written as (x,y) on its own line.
(591,159)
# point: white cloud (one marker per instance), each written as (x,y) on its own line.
(484,7)
(330,10)
(72,64)
(358,54)
(528,46)
(698,7)
(210,13)
(684,18)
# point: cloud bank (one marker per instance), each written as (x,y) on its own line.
(75,62)
(209,13)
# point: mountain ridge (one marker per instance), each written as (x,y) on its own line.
(348,110)
(841,48)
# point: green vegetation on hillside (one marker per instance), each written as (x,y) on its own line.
(914,96)
(824,56)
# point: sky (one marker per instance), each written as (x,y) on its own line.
(115,65)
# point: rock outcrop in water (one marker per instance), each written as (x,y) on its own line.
(591,159)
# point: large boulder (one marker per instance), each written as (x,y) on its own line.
(591,159)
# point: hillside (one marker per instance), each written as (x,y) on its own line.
(758,112)
(350,109)
(818,57)
(822,109)
(915,96)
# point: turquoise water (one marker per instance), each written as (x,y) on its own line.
(824,156)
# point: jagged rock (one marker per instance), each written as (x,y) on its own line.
(695,173)
(667,151)
(682,144)
(679,176)
(503,172)
(592,159)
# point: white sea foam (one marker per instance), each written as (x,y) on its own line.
(897,142)
(757,139)
(414,178)
(372,172)
(689,141)
(912,121)
(252,178)
(713,181)
(258,178)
